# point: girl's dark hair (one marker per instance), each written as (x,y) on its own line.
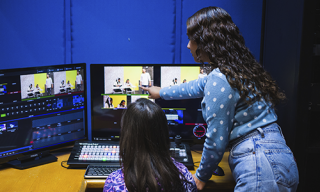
(108,100)
(144,149)
(122,102)
(217,36)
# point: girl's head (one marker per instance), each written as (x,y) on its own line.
(123,102)
(144,149)
(143,129)
(215,39)
(127,81)
(213,32)
(109,100)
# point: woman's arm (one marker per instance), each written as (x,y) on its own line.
(190,90)
(219,107)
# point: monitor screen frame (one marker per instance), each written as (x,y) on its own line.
(156,82)
(57,145)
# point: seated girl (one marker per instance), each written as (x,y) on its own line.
(108,103)
(122,104)
(144,153)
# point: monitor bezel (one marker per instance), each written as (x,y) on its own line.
(60,144)
(156,83)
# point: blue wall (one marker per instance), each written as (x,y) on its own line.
(47,32)
(31,33)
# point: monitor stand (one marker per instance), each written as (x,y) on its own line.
(32,160)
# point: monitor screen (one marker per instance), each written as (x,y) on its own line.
(40,108)
(114,86)
(184,116)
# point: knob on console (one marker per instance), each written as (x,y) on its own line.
(177,140)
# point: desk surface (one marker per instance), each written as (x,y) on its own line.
(53,177)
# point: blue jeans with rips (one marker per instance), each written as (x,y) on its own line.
(263,162)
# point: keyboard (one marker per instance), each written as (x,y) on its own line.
(99,152)
(99,171)
(85,153)
(101,158)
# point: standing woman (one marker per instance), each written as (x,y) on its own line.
(238,105)
(145,156)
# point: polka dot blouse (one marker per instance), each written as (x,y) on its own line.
(227,116)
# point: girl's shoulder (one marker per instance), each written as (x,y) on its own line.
(116,175)
(181,167)
(115,181)
(216,75)
(115,178)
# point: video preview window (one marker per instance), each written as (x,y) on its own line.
(115,101)
(120,101)
(33,85)
(127,79)
(180,74)
(53,83)
(174,116)
(68,81)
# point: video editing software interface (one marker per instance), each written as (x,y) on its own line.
(114,86)
(41,107)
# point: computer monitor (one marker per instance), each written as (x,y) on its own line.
(109,89)
(113,87)
(41,108)
(184,116)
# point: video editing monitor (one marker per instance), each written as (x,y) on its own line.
(41,108)
(114,86)
(184,116)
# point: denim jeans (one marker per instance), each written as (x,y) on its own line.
(143,90)
(48,91)
(78,87)
(263,162)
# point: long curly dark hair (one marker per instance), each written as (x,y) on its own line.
(219,38)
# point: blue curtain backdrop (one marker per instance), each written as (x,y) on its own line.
(49,32)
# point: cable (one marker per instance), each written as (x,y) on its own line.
(63,165)
(196,151)
(197,162)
